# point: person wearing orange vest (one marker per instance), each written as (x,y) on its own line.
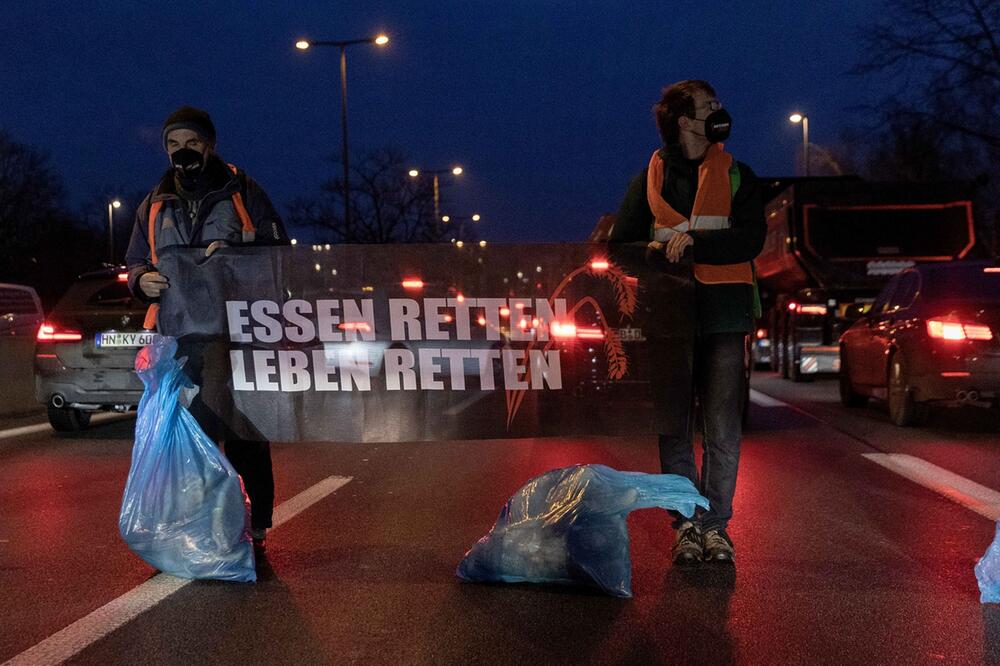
(203,202)
(694,197)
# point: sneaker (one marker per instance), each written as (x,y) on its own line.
(718,546)
(688,548)
(258,534)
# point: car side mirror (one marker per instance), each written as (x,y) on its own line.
(856,311)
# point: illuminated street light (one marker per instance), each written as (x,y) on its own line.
(482,243)
(445,218)
(342,44)
(455,170)
(112,205)
(799,118)
(476,217)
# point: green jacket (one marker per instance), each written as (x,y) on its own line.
(722,308)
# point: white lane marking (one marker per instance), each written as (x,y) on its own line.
(984,501)
(64,644)
(45,427)
(763,400)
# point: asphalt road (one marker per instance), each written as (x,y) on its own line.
(840,560)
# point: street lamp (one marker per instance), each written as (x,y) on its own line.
(115,203)
(455,171)
(799,118)
(342,44)
(475,217)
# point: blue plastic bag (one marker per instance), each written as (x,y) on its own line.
(184,510)
(568,526)
(988,572)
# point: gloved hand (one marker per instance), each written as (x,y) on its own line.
(152,283)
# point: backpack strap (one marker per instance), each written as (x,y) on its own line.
(249,231)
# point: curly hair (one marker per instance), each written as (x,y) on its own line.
(677,101)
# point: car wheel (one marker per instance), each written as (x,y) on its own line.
(848,396)
(67,419)
(904,411)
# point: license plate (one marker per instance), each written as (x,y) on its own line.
(629,334)
(117,339)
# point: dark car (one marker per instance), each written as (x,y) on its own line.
(931,337)
(85,350)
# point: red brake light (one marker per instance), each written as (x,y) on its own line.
(761,333)
(560,330)
(123,277)
(952,329)
(413,283)
(354,326)
(505,311)
(811,309)
(792,306)
(590,333)
(992,269)
(52,333)
(599,265)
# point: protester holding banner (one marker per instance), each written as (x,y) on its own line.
(694,194)
(203,202)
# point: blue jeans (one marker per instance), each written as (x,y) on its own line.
(715,374)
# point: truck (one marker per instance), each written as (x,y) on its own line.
(832,243)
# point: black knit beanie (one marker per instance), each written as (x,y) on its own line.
(188,117)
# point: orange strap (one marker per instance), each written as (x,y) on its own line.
(154,210)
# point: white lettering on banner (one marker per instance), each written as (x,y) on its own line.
(354,369)
(237,321)
(240,381)
(486,358)
(270,328)
(346,330)
(301,328)
(263,371)
(403,313)
(545,367)
(428,367)
(456,365)
(399,365)
(434,318)
(328,322)
(293,371)
(513,369)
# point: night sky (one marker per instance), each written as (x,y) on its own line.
(546,104)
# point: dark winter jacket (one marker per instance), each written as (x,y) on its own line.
(722,308)
(216,218)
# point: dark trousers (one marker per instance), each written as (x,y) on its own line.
(207,366)
(712,370)
(252,461)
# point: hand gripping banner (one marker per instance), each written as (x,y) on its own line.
(420,342)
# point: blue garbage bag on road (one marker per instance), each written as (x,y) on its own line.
(568,526)
(184,510)
(988,572)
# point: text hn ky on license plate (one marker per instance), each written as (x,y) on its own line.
(121,339)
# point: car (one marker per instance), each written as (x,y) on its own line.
(932,337)
(20,310)
(85,350)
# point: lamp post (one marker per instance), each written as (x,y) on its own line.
(115,203)
(447,219)
(342,44)
(455,170)
(799,118)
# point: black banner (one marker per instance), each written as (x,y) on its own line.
(413,342)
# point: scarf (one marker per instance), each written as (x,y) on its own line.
(711,210)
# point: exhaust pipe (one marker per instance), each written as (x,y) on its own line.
(972,396)
(58,401)
(963,396)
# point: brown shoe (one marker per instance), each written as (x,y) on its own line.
(688,548)
(718,546)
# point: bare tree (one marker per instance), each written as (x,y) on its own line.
(387,206)
(944,56)
(31,196)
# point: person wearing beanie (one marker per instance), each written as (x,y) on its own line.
(201,201)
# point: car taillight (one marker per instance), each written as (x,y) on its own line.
(811,309)
(953,329)
(761,333)
(123,277)
(53,333)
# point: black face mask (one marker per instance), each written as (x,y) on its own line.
(189,165)
(717,126)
